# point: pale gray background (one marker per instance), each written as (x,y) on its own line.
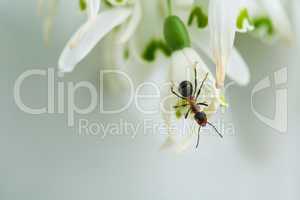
(41,158)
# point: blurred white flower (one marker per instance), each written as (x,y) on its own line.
(97,26)
(47,10)
(270,18)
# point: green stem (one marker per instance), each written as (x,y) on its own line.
(170,8)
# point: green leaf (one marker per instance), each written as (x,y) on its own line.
(175,33)
(152,47)
(200,16)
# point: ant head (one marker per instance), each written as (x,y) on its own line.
(201,118)
(186,88)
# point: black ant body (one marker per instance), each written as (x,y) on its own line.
(188,93)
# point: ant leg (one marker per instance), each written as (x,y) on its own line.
(172,90)
(202,104)
(184,105)
(199,91)
(187,114)
(198,138)
(196,78)
(215,129)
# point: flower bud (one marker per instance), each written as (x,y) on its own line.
(176,34)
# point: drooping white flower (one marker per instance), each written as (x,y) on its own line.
(183,63)
(186,65)
(237,69)
(97,26)
(223,17)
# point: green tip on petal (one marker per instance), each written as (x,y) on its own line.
(176,34)
(202,19)
(82,5)
(264,22)
(223,101)
(152,47)
(244,15)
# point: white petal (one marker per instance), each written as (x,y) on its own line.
(93,8)
(133,23)
(86,38)
(254,8)
(184,3)
(222,26)
(279,18)
(237,69)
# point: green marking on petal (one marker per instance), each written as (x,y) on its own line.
(200,16)
(116,2)
(175,33)
(82,5)
(152,47)
(244,15)
(126,53)
(264,22)
(179,112)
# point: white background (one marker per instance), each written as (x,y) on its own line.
(41,158)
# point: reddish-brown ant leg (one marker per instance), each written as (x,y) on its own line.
(215,129)
(184,105)
(199,91)
(196,79)
(202,104)
(172,90)
(198,139)
(187,114)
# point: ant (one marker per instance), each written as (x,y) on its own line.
(188,93)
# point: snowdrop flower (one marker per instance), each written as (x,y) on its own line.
(97,26)
(185,61)
(225,19)
(237,68)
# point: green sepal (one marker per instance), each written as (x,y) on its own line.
(175,33)
(201,17)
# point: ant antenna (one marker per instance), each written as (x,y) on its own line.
(215,129)
(198,139)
